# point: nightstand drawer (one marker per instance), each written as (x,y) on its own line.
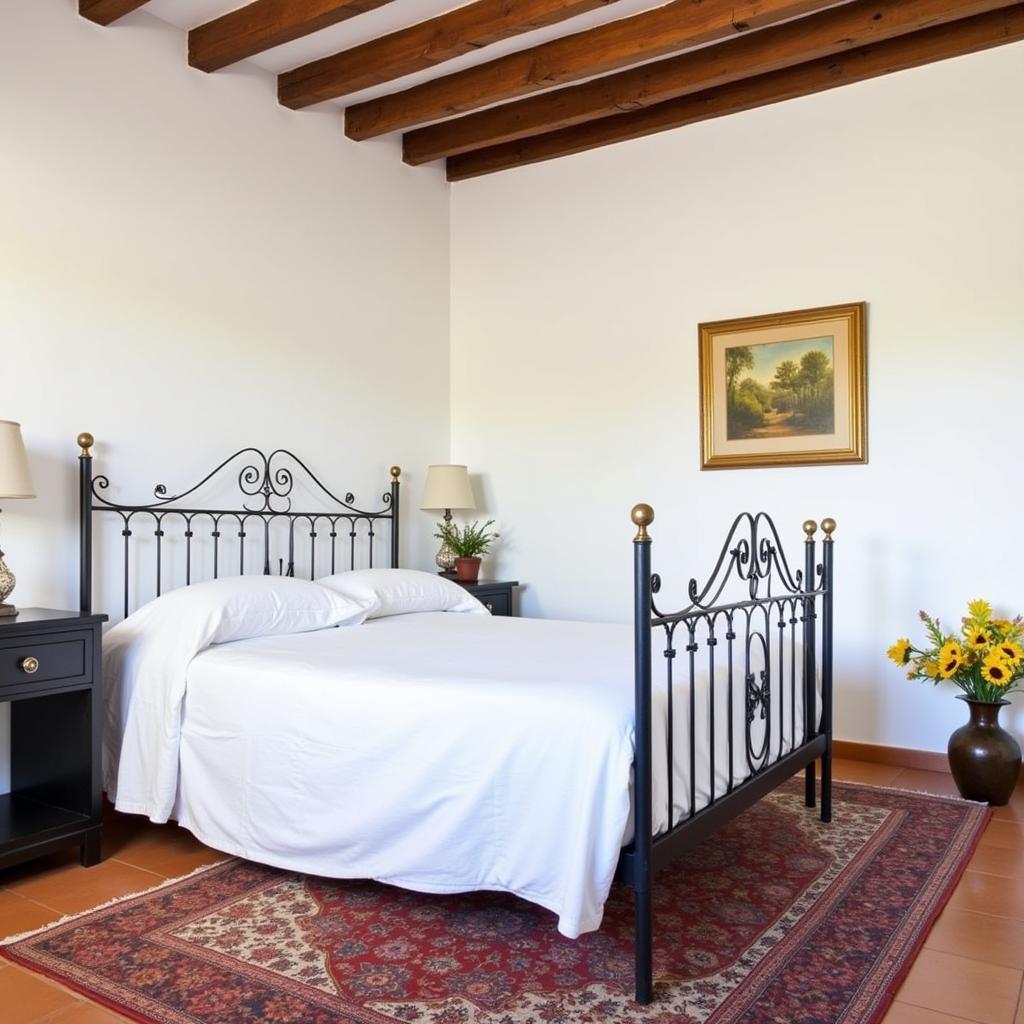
(62,658)
(499,603)
(494,595)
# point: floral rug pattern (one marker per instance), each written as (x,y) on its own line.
(774,918)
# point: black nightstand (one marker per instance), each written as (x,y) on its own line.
(50,674)
(495,594)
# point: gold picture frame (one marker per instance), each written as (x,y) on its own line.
(785,389)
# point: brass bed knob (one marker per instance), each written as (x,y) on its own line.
(642,516)
(29,665)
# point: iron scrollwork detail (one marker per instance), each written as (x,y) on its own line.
(268,481)
(758,695)
(263,477)
(753,554)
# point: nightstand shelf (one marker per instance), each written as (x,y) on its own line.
(50,676)
(22,818)
(495,595)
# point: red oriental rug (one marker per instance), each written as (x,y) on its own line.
(776,918)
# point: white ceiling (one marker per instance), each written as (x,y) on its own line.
(187,14)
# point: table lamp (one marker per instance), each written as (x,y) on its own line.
(15,482)
(446,487)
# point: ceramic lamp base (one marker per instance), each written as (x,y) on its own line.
(445,557)
(7,582)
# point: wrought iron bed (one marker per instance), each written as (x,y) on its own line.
(777,602)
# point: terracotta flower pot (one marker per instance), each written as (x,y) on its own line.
(467,570)
(983,757)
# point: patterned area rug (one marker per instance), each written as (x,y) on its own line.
(776,918)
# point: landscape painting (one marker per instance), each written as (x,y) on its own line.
(780,389)
(784,389)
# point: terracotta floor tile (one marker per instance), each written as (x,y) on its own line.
(9,877)
(990,894)
(962,988)
(996,940)
(1014,810)
(1004,833)
(998,860)
(905,1013)
(174,864)
(71,889)
(18,915)
(86,1013)
(863,771)
(920,781)
(164,849)
(27,998)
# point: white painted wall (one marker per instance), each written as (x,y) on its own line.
(286,286)
(577,288)
(187,268)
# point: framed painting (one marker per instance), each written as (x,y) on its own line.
(787,389)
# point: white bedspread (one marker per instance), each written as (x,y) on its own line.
(434,751)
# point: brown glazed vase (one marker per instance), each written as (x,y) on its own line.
(467,570)
(983,757)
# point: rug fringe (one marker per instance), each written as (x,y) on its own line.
(12,939)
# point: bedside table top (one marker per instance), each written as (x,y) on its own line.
(487,583)
(46,617)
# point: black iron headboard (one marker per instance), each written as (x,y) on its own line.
(267,480)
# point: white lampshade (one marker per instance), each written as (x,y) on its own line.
(447,487)
(15,477)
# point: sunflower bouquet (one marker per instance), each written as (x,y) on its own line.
(985,659)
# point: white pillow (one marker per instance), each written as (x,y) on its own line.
(239,607)
(399,591)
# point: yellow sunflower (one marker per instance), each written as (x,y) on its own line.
(978,637)
(995,670)
(931,669)
(900,651)
(1003,625)
(950,658)
(980,611)
(1011,651)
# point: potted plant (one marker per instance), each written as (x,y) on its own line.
(986,660)
(468,544)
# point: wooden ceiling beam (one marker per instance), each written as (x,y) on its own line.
(675,26)
(422,46)
(942,42)
(104,12)
(796,42)
(263,24)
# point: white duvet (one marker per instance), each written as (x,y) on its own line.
(435,751)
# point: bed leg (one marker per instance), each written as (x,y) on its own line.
(826,787)
(809,778)
(644,966)
(828,565)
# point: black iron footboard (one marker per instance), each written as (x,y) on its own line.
(763,655)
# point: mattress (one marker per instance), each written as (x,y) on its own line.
(443,752)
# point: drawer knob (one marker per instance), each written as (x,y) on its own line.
(29,665)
